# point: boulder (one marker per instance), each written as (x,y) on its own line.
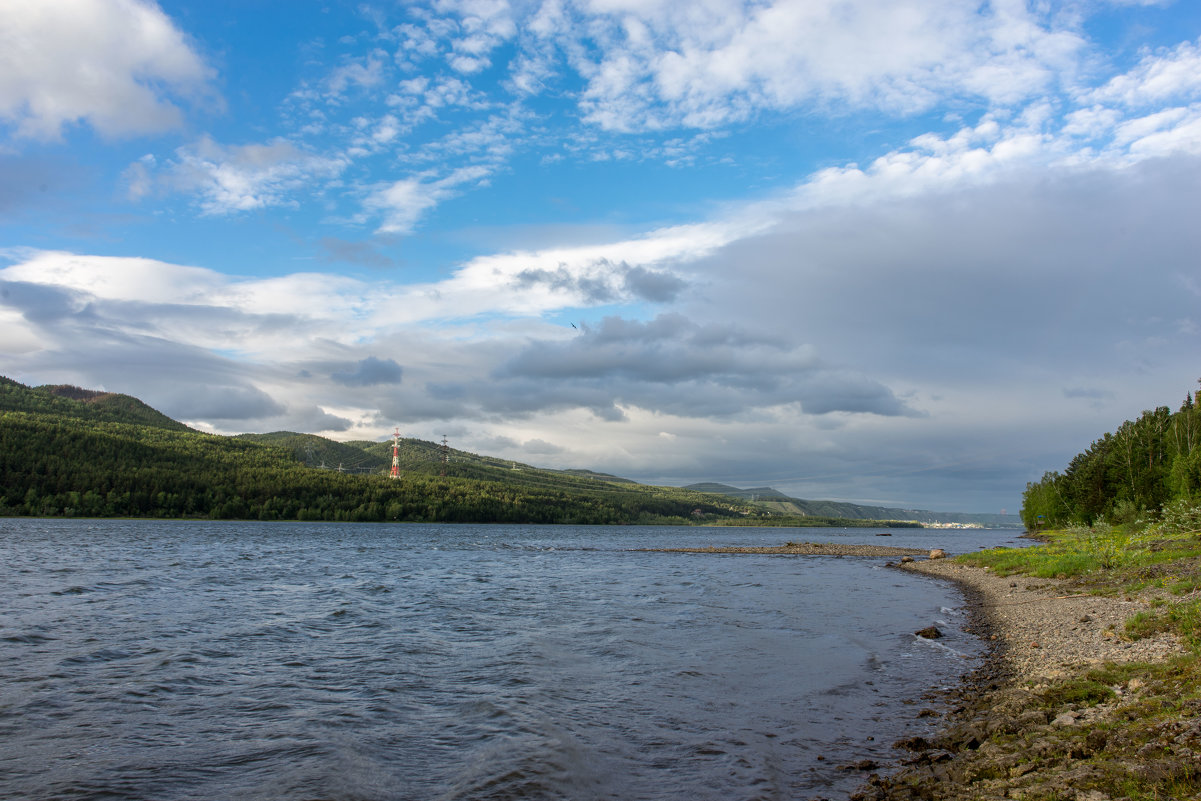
(929,633)
(938,553)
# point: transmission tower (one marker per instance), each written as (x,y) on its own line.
(445,455)
(395,454)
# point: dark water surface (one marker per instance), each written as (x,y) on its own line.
(197,660)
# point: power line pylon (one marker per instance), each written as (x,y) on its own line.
(395,455)
(445,455)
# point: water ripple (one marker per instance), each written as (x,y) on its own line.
(152,660)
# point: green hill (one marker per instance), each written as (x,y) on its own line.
(314,451)
(65,451)
(82,404)
(77,452)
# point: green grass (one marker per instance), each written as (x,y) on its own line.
(1119,560)
(1083,690)
(1123,553)
(1181,617)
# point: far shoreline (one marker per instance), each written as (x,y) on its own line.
(799,549)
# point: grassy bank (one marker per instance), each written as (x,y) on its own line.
(1143,721)
(1162,561)
(1115,730)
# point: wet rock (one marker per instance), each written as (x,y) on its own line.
(972,738)
(929,633)
(913,744)
(938,553)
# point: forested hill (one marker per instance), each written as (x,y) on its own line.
(76,452)
(71,452)
(777,501)
(1139,470)
(82,404)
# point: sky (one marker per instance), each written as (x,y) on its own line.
(900,252)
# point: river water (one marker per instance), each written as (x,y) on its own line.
(234,660)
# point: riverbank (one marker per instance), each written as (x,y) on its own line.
(802,549)
(1067,705)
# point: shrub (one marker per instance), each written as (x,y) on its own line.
(1180,516)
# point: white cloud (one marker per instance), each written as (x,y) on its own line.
(114,64)
(115,278)
(1160,76)
(483,26)
(704,65)
(1167,134)
(233,178)
(194,305)
(1091,123)
(402,203)
(364,73)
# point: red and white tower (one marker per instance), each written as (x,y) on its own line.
(395,454)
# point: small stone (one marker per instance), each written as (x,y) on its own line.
(906,559)
(1086,618)
(929,633)
(1034,645)
(938,553)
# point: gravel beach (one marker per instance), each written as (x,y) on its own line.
(1047,627)
(1003,738)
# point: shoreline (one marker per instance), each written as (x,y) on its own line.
(1059,703)
(800,549)
(1038,632)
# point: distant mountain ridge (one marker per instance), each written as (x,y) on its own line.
(774,500)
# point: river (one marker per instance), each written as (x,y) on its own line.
(299,661)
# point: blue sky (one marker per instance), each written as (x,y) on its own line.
(905,253)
